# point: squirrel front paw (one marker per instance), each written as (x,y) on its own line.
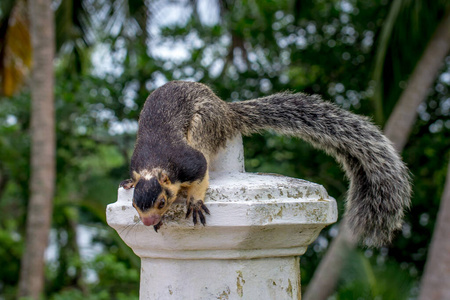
(126,184)
(197,208)
(157,226)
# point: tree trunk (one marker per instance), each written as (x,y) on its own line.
(402,119)
(323,283)
(397,129)
(4,178)
(435,283)
(42,133)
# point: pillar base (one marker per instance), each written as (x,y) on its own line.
(274,278)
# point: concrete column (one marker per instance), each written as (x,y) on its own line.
(259,226)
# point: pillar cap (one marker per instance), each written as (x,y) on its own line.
(252,216)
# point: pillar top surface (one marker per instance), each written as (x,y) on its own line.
(252,215)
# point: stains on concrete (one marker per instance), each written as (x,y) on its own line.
(136,219)
(225,294)
(240,284)
(289,288)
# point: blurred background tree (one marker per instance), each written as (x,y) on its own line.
(112,53)
(42,146)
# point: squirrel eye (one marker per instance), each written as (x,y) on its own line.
(161,203)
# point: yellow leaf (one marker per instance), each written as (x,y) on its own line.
(17,51)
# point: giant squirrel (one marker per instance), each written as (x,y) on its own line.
(184,124)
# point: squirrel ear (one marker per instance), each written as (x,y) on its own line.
(163,179)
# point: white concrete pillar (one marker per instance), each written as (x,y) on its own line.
(259,226)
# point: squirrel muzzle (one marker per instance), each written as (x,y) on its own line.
(150,220)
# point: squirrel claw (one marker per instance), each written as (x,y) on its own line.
(196,210)
(194,216)
(188,210)
(202,217)
(205,209)
(157,226)
(126,184)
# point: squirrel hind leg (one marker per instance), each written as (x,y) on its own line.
(211,126)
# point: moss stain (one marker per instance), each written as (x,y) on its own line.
(224,295)
(280,212)
(308,193)
(296,195)
(289,288)
(240,284)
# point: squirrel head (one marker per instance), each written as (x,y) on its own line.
(153,196)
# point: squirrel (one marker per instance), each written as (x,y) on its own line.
(184,124)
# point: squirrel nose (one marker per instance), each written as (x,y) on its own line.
(150,220)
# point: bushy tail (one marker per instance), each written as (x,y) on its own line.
(379,181)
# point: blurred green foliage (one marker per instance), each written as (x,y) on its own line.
(112,55)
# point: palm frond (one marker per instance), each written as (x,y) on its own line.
(74,30)
(380,56)
(15,49)
(401,42)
